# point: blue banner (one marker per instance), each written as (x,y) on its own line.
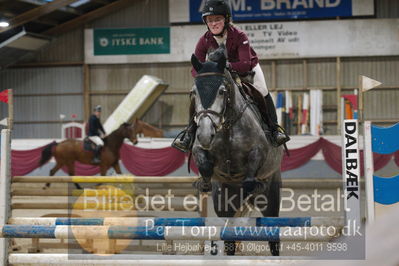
(267,10)
(386,190)
(385,139)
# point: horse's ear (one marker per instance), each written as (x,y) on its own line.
(196,63)
(222,63)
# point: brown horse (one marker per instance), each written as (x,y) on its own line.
(148,130)
(71,150)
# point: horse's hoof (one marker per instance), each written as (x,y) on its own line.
(249,185)
(253,186)
(203,186)
(275,248)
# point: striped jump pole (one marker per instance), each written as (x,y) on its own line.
(199,221)
(215,233)
(105,179)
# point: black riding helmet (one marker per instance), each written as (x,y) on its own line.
(217,7)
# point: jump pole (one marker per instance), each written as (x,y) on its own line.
(369,172)
(351,184)
(5,176)
(105,179)
(229,233)
(366,84)
(138,259)
(197,221)
(5,187)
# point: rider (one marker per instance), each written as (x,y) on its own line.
(242,59)
(95,131)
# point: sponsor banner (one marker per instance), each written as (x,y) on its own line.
(275,40)
(258,10)
(131,41)
(351,169)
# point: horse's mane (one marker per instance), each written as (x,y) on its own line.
(114,133)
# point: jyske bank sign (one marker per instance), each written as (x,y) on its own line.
(131,41)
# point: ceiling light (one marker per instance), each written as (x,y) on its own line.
(79,3)
(4,24)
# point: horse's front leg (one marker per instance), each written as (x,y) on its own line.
(205,165)
(71,172)
(272,208)
(255,159)
(117,168)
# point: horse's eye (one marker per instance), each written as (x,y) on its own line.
(222,91)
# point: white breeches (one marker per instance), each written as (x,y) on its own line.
(97,140)
(259,80)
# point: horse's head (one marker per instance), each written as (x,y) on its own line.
(211,92)
(129,131)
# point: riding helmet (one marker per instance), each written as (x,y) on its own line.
(97,108)
(216,7)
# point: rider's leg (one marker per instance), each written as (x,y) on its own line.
(97,148)
(97,155)
(278,132)
(267,108)
(185,142)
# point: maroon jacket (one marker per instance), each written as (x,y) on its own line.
(240,54)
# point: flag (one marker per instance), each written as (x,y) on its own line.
(289,112)
(4,122)
(305,112)
(368,83)
(279,107)
(316,112)
(350,106)
(4,96)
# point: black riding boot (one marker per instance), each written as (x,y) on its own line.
(97,155)
(278,134)
(185,139)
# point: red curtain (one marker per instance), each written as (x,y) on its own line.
(300,156)
(333,157)
(25,161)
(160,162)
(151,162)
(83,169)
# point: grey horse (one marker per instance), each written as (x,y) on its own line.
(235,159)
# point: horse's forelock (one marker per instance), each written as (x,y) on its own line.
(208,67)
(207,88)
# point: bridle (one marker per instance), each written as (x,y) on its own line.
(207,112)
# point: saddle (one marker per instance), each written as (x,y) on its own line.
(257,101)
(89,145)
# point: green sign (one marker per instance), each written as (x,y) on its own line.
(131,41)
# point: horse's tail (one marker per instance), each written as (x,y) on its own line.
(47,153)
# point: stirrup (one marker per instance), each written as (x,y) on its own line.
(177,141)
(275,133)
(96,160)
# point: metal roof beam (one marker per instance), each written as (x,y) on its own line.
(99,12)
(36,13)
